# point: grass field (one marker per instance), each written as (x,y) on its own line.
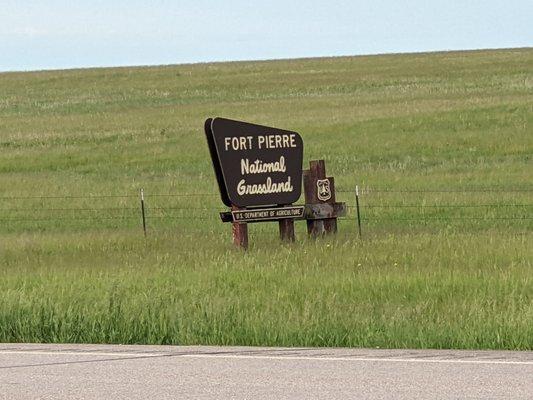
(443,144)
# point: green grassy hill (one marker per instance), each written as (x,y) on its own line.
(441,142)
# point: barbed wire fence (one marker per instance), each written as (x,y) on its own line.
(367,205)
(410,207)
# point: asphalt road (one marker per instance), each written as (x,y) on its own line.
(31,371)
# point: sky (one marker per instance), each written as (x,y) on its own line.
(56,34)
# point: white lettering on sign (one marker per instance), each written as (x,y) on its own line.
(264,188)
(260,167)
(238,143)
(268,214)
(276,141)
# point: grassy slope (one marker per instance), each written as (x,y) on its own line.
(446,120)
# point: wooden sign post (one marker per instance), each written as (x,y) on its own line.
(239,232)
(321,209)
(286,230)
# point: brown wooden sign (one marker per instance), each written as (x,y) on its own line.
(259,174)
(255,165)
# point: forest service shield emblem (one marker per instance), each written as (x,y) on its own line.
(324,191)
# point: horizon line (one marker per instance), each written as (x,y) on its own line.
(377,54)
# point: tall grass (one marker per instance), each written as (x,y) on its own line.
(422,290)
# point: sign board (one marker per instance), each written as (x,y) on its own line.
(267,214)
(255,165)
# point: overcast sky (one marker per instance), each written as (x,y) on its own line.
(66,34)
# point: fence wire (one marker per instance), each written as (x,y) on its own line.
(369,190)
(157,212)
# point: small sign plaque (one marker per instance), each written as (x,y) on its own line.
(268,214)
(255,165)
(324,191)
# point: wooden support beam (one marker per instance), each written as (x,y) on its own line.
(239,232)
(286,230)
(315,227)
(330,224)
(312,177)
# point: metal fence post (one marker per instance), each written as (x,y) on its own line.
(357,208)
(142,212)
